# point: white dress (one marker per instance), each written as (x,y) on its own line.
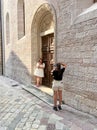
(39,71)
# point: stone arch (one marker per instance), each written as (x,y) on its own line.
(21,18)
(43,12)
(7,29)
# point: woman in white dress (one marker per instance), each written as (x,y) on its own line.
(39,72)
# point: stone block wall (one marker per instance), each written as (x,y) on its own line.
(1,60)
(1,56)
(79,50)
(19,52)
(76,45)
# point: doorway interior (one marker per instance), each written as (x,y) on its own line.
(48,56)
(43,32)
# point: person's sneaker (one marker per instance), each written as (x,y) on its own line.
(55,108)
(60,108)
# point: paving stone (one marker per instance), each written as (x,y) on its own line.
(42,127)
(51,127)
(20,110)
(3,128)
(59,126)
(35,126)
(53,118)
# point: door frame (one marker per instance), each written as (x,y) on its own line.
(52,33)
(36,35)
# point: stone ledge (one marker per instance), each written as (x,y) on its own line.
(87,94)
(39,93)
(88,14)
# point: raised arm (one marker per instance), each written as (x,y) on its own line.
(64,65)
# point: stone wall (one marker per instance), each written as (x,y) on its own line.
(80,89)
(19,58)
(1,58)
(79,50)
(1,71)
(75,44)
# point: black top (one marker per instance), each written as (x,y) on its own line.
(58,75)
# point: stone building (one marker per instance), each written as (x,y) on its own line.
(1,53)
(58,30)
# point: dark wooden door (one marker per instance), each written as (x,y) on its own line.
(47,55)
(95,1)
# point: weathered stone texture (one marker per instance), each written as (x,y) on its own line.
(76,45)
(81,75)
(1,59)
(1,67)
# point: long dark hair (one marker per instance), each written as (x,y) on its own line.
(58,66)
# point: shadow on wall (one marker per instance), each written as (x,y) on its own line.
(17,70)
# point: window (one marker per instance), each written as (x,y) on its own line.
(7,29)
(21,18)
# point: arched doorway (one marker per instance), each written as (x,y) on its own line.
(43,37)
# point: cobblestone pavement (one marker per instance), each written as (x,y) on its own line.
(20,110)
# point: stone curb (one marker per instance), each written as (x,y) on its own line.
(39,94)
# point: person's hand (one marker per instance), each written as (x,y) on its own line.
(63,64)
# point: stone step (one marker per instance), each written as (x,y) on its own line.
(39,93)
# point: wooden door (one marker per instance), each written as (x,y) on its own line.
(95,1)
(47,55)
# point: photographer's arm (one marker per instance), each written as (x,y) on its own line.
(64,65)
